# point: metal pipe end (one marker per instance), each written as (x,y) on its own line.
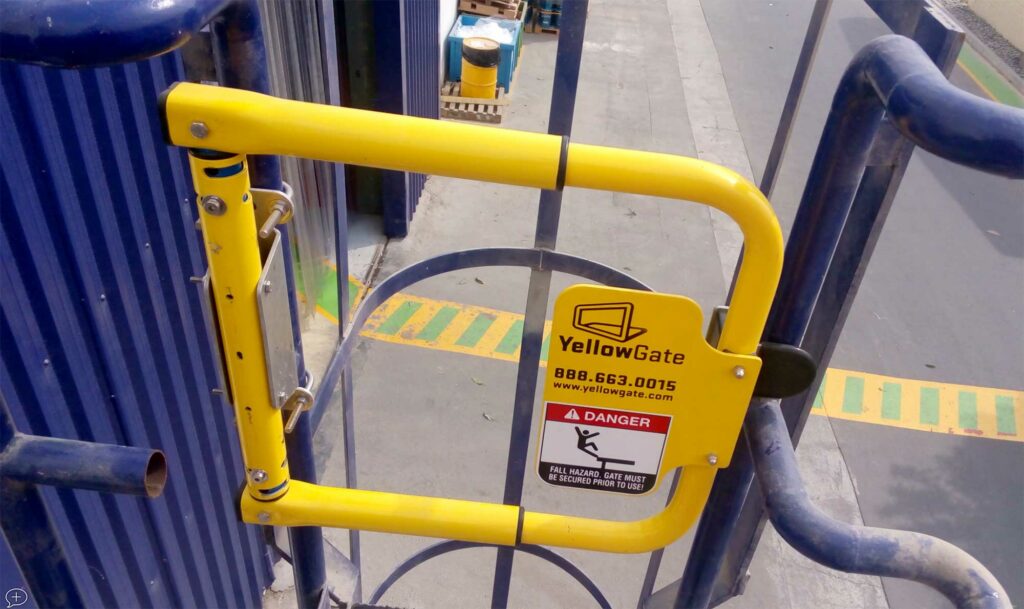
(156,474)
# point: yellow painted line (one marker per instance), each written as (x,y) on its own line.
(988,79)
(961,410)
(448,338)
(327,315)
(976,80)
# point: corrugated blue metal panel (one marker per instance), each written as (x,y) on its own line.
(102,334)
(407,83)
(421,74)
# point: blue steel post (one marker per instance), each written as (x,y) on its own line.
(853,179)
(563,102)
(242,63)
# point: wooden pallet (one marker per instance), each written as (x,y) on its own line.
(493,8)
(471,108)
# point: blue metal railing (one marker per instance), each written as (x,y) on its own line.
(69,34)
(892,90)
(857,549)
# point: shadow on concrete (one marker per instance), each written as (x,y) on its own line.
(958,488)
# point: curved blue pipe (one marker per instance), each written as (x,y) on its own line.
(891,75)
(935,114)
(857,549)
(79,34)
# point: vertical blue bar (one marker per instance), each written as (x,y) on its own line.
(242,63)
(563,103)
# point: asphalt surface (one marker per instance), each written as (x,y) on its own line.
(941,300)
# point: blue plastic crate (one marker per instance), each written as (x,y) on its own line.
(548,19)
(509,52)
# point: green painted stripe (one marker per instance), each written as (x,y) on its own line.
(891,401)
(476,330)
(544,347)
(1005,419)
(438,323)
(968,410)
(929,406)
(986,74)
(853,395)
(819,398)
(512,338)
(328,297)
(398,317)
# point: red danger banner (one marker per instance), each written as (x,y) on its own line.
(603,417)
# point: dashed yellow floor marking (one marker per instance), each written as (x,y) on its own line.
(961,410)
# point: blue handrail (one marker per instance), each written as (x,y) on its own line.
(892,78)
(857,549)
(75,34)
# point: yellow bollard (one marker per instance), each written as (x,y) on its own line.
(480,57)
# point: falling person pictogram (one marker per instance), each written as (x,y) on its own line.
(585,443)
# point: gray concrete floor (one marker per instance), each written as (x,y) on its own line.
(650,80)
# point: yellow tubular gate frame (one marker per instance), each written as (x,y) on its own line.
(242,122)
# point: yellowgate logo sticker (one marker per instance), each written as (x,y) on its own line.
(616,352)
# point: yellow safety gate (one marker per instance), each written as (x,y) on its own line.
(235,123)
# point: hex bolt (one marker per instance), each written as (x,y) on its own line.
(263,517)
(712,459)
(199,130)
(739,372)
(214,205)
(258,475)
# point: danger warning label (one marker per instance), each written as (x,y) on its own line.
(602,449)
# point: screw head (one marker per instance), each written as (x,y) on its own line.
(739,372)
(214,205)
(263,517)
(712,459)
(199,130)
(258,475)
(268,287)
